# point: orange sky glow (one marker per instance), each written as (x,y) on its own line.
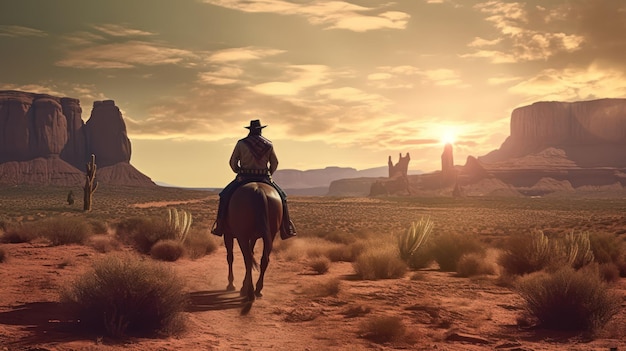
(339,83)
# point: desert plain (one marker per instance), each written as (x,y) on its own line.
(303,309)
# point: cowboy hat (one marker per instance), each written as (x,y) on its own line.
(255,124)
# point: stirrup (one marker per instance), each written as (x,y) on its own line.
(216,230)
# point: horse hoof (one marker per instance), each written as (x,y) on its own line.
(230,288)
(258,294)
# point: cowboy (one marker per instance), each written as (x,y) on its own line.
(250,160)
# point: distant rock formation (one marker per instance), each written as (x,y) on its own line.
(397,181)
(43,140)
(580,128)
(553,148)
(401,168)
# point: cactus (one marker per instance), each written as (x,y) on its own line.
(578,249)
(90,184)
(415,236)
(179,223)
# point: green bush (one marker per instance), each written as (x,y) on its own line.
(569,300)
(124,295)
(379,263)
(167,250)
(525,253)
(448,249)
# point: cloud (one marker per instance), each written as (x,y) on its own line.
(573,84)
(20,31)
(117,30)
(241,54)
(525,34)
(329,14)
(299,77)
(125,55)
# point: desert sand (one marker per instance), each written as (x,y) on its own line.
(439,310)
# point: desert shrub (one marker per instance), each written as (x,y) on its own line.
(414,239)
(524,253)
(200,243)
(320,264)
(61,230)
(3,255)
(346,253)
(124,295)
(379,263)
(607,248)
(609,272)
(143,232)
(98,226)
(340,237)
(167,250)
(16,235)
(104,243)
(330,287)
(473,264)
(447,249)
(576,249)
(382,329)
(568,299)
(422,257)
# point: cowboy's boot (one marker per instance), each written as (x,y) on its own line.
(287,228)
(218,226)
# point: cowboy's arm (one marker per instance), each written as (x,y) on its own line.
(235,157)
(273,161)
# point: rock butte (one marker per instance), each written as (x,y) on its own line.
(44,141)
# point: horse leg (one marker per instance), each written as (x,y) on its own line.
(247,288)
(265,261)
(228,242)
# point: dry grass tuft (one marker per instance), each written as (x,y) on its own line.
(379,263)
(124,295)
(474,264)
(320,265)
(104,243)
(331,287)
(200,242)
(167,250)
(381,329)
(143,232)
(447,249)
(525,253)
(569,299)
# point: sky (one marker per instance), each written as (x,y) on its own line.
(344,83)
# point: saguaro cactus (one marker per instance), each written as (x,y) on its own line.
(90,183)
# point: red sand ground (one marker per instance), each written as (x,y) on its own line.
(440,311)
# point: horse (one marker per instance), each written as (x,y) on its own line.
(255,211)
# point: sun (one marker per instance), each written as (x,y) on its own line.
(448,137)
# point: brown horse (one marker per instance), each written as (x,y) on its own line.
(255,212)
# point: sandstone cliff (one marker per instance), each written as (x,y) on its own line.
(585,130)
(43,140)
(553,148)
